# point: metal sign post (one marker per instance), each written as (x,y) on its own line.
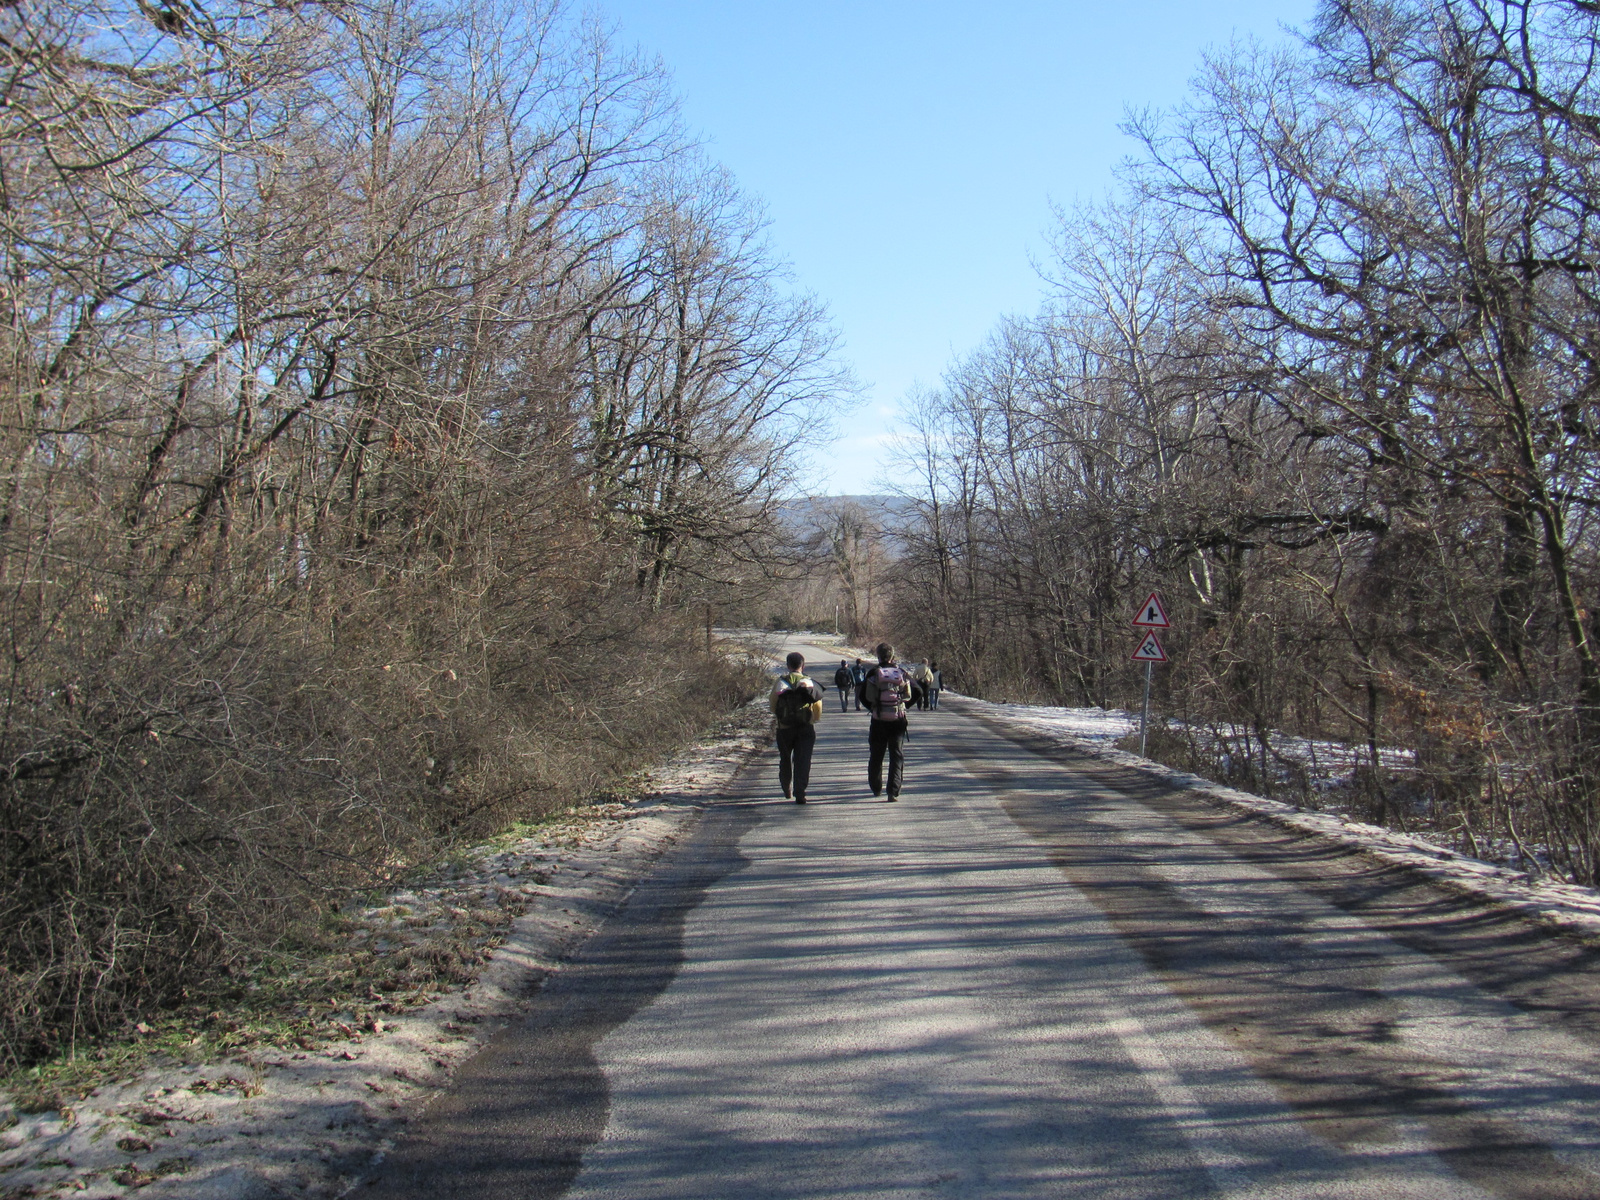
(1144,713)
(1152,616)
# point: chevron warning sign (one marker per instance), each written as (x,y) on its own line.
(1150,650)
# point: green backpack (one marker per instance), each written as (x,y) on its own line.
(793,705)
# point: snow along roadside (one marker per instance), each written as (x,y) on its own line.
(271,1122)
(1565,907)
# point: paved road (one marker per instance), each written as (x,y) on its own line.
(1036,975)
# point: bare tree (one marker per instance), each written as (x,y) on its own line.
(1327,380)
(321,547)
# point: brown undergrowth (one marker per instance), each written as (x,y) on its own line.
(345,974)
(184,845)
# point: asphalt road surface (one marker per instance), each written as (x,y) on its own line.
(1037,975)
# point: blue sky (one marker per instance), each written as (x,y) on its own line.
(908,153)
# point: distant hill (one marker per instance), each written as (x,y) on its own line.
(802,516)
(803,513)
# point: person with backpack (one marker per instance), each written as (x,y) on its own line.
(859,674)
(922,684)
(846,683)
(935,686)
(796,704)
(886,690)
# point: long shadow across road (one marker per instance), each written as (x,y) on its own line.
(517,1119)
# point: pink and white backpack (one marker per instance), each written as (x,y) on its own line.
(891,702)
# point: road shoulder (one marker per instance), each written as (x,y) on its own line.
(1498,937)
(1565,908)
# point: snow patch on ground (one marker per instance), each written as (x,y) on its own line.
(1566,907)
(273,1122)
(1086,726)
(1327,764)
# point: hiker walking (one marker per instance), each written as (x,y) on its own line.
(859,673)
(846,683)
(886,690)
(922,679)
(936,686)
(796,704)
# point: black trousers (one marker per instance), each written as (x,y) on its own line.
(844,698)
(881,736)
(794,757)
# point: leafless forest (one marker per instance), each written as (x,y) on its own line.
(1324,373)
(389,389)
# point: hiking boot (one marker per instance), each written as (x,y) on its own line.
(799,799)
(785,793)
(892,797)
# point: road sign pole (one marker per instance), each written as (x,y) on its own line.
(1152,616)
(1144,715)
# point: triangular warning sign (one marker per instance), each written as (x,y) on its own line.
(1150,650)
(1152,615)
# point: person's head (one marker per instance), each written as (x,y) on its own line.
(842,663)
(885,653)
(858,662)
(933,666)
(796,660)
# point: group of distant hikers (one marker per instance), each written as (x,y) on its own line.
(886,690)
